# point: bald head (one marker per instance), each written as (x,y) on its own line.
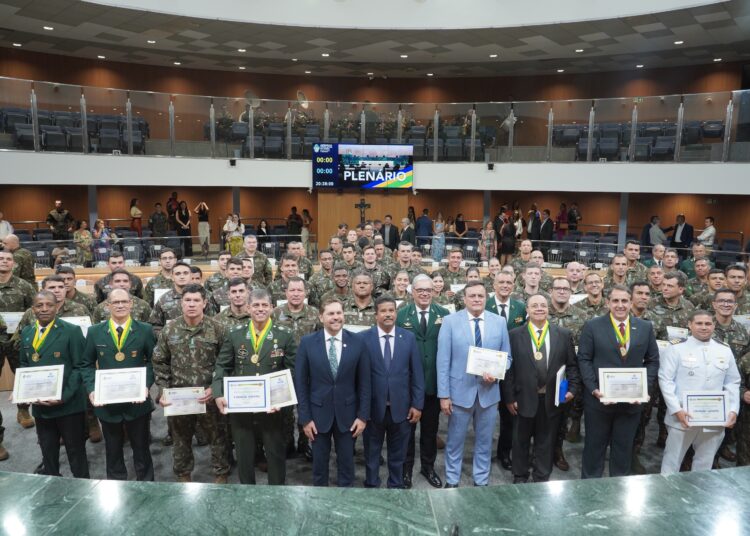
(11,242)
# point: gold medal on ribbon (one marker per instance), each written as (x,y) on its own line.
(119,356)
(35,357)
(257,339)
(254,359)
(622,339)
(38,341)
(538,341)
(119,343)
(623,351)
(538,356)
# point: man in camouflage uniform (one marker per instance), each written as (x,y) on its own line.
(169,307)
(349,257)
(617,274)
(336,245)
(699,252)
(341,285)
(16,296)
(742,430)
(248,271)
(3,342)
(140,310)
(220,297)
(163,279)
(472,276)
(60,222)
(322,280)
(594,304)
(636,270)
(736,279)
(453,274)
(301,320)
(655,280)
(574,273)
(185,356)
(383,253)
(359,309)
(263,270)
(699,283)
(545,283)
(237,313)
(381,281)
(715,280)
(493,268)
(218,279)
(404,262)
(24,259)
(72,293)
(102,287)
(523,257)
(305,266)
(671,261)
(532,275)
(288,269)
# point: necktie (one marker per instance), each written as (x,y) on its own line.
(423,321)
(543,347)
(477,333)
(541,365)
(332,356)
(42,330)
(502,311)
(119,333)
(622,333)
(387,357)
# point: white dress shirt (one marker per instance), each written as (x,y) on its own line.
(419,314)
(5,229)
(338,342)
(707,236)
(391,342)
(678,232)
(471,324)
(546,343)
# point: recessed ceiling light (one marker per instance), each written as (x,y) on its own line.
(325,54)
(717,59)
(579,50)
(177,63)
(294,59)
(48,28)
(151,42)
(639,66)
(430,74)
(242,67)
(404,56)
(308,72)
(17,44)
(561,70)
(493,55)
(370,74)
(241,50)
(101,57)
(679,42)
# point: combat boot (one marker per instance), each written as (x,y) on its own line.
(661,441)
(95,431)
(185,478)
(24,418)
(560,461)
(574,433)
(3,453)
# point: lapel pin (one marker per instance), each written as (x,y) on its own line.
(345,346)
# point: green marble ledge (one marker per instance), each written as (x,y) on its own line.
(705,503)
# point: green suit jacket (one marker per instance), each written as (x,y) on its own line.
(408,319)
(516,313)
(277,352)
(63,346)
(100,350)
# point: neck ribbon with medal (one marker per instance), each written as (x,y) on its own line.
(622,340)
(120,355)
(538,341)
(257,339)
(39,341)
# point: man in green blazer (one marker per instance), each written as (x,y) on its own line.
(426,332)
(514,313)
(52,341)
(122,342)
(253,349)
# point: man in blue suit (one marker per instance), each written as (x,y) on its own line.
(332,378)
(397,393)
(463,396)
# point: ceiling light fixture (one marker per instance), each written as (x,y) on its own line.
(561,70)
(242,67)
(151,42)
(493,55)
(370,74)
(579,50)
(679,42)
(430,74)
(308,72)
(17,44)
(404,56)
(241,50)
(177,63)
(717,60)
(48,28)
(102,57)
(639,66)
(294,59)
(325,54)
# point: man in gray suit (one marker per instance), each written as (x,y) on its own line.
(613,340)
(465,397)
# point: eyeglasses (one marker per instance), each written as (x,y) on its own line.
(561,289)
(422,290)
(725,302)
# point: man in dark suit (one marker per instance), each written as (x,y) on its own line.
(610,341)
(397,393)
(423,318)
(332,379)
(682,235)
(423,228)
(540,350)
(407,232)
(546,231)
(390,233)
(533,228)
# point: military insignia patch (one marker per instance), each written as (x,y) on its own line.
(56,354)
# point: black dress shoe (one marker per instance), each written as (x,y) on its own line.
(308,453)
(450,486)
(432,477)
(480,485)
(505,462)
(407,480)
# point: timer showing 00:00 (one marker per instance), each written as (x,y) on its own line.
(324,160)
(323,171)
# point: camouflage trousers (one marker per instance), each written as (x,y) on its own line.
(661,412)
(183,429)
(742,434)
(573,410)
(7,352)
(289,420)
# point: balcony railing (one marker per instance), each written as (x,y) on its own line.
(44,116)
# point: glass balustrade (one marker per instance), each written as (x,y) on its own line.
(46,116)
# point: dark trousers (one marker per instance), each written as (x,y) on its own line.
(396,436)
(428,430)
(507,425)
(543,428)
(321,449)
(615,429)
(72,430)
(114,441)
(247,429)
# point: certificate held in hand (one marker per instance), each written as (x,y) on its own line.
(255,394)
(120,386)
(486,360)
(38,384)
(627,385)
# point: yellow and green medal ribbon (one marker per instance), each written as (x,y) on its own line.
(257,340)
(39,341)
(622,339)
(120,356)
(538,341)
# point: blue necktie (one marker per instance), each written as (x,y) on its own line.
(387,357)
(477,333)
(332,361)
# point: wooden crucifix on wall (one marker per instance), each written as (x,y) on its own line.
(362,206)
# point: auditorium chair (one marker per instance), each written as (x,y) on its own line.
(23,136)
(41,258)
(453,149)
(713,129)
(109,140)
(431,148)
(664,147)
(452,131)
(586,252)
(478,149)
(240,131)
(610,130)
(643,148)
(53,138)
(670,130)
(570,135)
(43,118)
(312,131)
(274,146)
(276,129)
(24,235)
(417,131)
(257,149)
(109,122)
(139,146)
(692,133)
(92,124)
(350,141)
(13,117)
(75,139)
(65,120)
(296,146)
(582,148)
(132,251)
(651,130)
(381,141)
(609,148)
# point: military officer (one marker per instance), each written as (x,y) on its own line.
(237,313)
(359,309)
(698,364)
(404,262)
(699,283)
(618,272)
(523,257)
(140,310)
(594,304)
(52,341)
(726,329)
(3,342)
(163,279)
(263,270)
(453,274)
(532,275)
(71,292)
(259,348)
(60,222)
(381,280)
(305,266)
(102,287)
(349,257)
(322,280)
(218,279)
(288,269)
(185,356)
(24,267)
(170,305)
(219,298)
(671,309)
(736,278)
(688,265)
(341,285)
(742,431)
(122,342)
(715,280)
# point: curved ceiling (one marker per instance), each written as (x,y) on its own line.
(406,14)
(686,36)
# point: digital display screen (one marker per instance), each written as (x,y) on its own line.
(340,166)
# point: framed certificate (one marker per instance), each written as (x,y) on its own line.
(627,385)
(705,408)
(481,360)
(184,401)
(12,320)
(120,386)
(246,394)
(34,384)
(84,322)
(281,391)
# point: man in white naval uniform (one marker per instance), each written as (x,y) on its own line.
(698,364)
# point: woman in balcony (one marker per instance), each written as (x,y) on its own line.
(488,242)
(234,231)
(306,223)
(508,235)
(136,216)
(182,217)
(204,227)
(83,240)
(438,237)
(102,235)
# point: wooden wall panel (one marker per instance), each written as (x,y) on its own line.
(24,203)
(470,203)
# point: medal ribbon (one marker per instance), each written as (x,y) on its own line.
(258,339)
(538,341)
(39,341)
(622,340)
(125,333)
